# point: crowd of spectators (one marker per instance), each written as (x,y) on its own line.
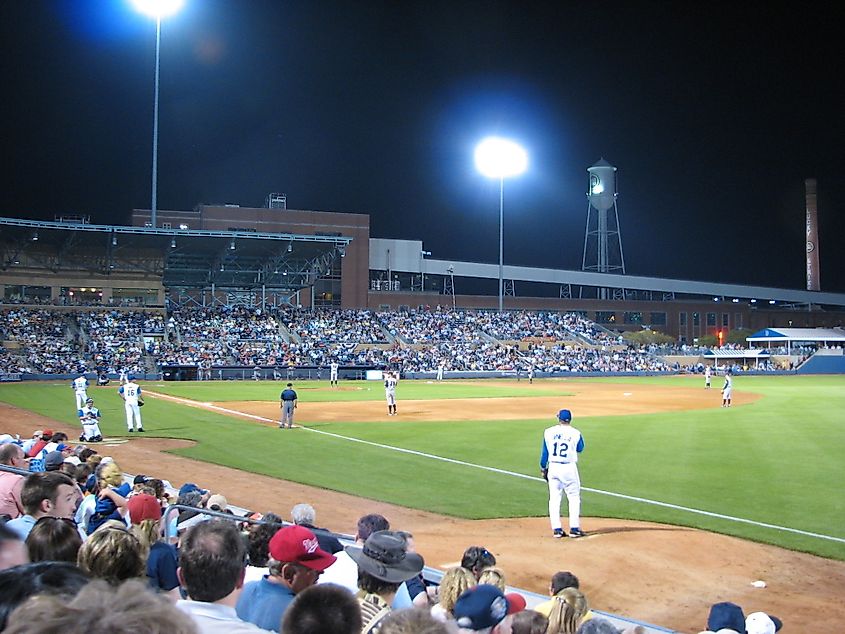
(284,338)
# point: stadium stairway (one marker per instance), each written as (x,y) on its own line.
(824,361)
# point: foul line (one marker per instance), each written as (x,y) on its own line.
(462,463)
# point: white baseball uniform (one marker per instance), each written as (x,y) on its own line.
(440,372)
(131,392)
(80,389)
(708,373)
(89,417)
(390,382)
(727,390)
(561,446)
(333,368)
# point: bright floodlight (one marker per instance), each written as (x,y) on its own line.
(158,8)
(496,157)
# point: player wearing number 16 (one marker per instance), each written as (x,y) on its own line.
(559,466)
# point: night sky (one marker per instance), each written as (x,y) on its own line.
(713,114)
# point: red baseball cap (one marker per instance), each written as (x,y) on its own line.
(143,506)
(298,545)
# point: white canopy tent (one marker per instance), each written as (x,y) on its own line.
(797,335)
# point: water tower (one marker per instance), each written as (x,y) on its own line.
(602,241)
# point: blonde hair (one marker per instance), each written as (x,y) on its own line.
(147,532)
(569,608)
(110,474)
(454,583)
(493,576)
(113,554)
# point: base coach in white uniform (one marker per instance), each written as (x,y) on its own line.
(559,466)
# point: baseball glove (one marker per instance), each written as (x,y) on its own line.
(140,403)
(545,474)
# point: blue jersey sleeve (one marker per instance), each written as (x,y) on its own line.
(80,414)
(544,455)
(580,446)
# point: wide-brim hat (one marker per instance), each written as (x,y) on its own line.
(384,556)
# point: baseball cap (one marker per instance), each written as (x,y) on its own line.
(762,623)
(143,506)
(74,460)
(564,415)
(63,447)
(5,438)
(188,487)
(726,615)
(516,602)
(53,460)
(217,500)
(297,544)
(140,479)
(131,377)
(482,607)
(89,400)
(47,433)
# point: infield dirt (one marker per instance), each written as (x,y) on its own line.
(660,574)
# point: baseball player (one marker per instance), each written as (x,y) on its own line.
(89,417)
(124,376)
(727,388)
(708,374)
(440,368)
(80,389)
(333,368)
(559,467)
(531,374)
(130,392)
(391,379)
(287,402)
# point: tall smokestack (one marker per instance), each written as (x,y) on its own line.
(812,235)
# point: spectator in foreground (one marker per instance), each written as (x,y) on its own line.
(529,622)
(483,608)
(412,621)
(258,539)
(99,608)
(145,515)
(212,559)
(383,565)
(41,578)
(305,515)
(54,539)
(560,581)
(568,612)
(13,551)
(454,583)
(112,553)
(477,558)
(323,608)
(598,626)
(11,484)
(43,494)
(296,562)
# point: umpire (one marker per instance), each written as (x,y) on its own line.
(288,404)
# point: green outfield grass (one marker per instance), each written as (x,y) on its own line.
(777,461)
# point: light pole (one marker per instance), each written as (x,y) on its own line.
(157,9)
(500,158)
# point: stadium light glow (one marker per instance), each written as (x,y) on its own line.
(157,9)
(500,158)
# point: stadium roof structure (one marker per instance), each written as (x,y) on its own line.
(183,258)
(797,334)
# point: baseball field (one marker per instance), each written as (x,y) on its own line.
(659,451)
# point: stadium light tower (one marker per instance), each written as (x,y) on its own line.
(500,158)
(157,9)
